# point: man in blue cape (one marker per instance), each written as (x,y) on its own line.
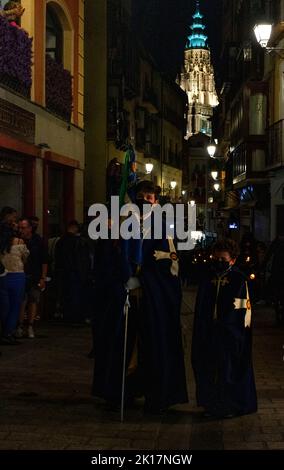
(155,361)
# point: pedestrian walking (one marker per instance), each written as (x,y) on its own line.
(36,271)
(13,256)
(72,268)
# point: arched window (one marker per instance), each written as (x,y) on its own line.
(54,35)
(59,59)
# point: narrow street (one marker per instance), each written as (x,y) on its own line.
(46,401)
(140,141)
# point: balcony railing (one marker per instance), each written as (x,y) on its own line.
(275,154)
(15,58)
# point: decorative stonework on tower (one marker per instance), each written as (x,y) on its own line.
(197,79)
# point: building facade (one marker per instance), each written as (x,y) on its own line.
(274,75)
(197,79)
(41,111)
(128,102)
(243,120)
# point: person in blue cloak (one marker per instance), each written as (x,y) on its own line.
(155,359)
(222,338)
(154,263)
(109,295)
(108,298)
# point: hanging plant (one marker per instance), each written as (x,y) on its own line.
(58,85)
(15,58)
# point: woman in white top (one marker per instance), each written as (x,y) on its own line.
(13,255)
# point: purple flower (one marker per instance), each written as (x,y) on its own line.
(58,89)
(15,57)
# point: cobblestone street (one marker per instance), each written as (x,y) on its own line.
(46,401)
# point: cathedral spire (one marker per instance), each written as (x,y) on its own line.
(197,78)
(197,39)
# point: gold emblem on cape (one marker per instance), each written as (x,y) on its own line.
(220,282)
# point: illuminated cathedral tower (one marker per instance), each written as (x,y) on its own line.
(197,79)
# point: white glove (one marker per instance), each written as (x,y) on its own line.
(133,283)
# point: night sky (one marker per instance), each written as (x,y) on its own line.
(164,26)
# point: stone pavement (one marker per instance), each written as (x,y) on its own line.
(46,402)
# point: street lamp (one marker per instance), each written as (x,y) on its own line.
(173,185)
(216,186)
(183,192)
(262,33)
(211,149)
(149,168)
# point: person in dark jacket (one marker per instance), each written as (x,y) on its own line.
(36,271)
(72,266)
(222,338)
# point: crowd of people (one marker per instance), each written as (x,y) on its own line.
(29,266)
(131,292)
